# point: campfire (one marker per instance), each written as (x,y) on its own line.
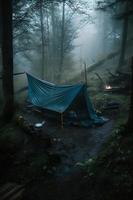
(108,87)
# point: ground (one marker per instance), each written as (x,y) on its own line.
(74,144)
(56,171)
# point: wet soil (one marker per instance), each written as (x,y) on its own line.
(73,145)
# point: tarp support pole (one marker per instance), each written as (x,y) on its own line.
(62,120)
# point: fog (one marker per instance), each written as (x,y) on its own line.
(91,43)
(96,37)
(89,35)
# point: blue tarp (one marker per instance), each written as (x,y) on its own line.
(59,98)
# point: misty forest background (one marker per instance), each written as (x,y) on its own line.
(67,42)
(53,39)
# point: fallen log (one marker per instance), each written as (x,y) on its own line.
(11,191)
(14,74)
(100,78)
(113,75)
(112,105)
(101,62)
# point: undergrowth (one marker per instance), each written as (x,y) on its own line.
(110,175)
(22,158)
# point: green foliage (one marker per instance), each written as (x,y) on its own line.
(100,100)
(111,172)
(88,166)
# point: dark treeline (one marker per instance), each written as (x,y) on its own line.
(42,33)
(122,10)
(75,141)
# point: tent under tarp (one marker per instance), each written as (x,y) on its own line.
(63,99)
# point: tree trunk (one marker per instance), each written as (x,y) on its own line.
(47,45)
(53,49)
(62,41)
(7,58)
(124,41)
(0,26)
(129,125)
(42,41)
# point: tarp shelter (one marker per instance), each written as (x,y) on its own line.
(62,99)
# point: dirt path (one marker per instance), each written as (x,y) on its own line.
(78,144)
(73,145)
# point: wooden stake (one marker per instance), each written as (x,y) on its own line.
(85,73)
(62,120)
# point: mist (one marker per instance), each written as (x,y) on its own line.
(94,39)
(79,35)
(66,99)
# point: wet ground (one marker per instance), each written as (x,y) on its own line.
(72,144)
(76,145)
